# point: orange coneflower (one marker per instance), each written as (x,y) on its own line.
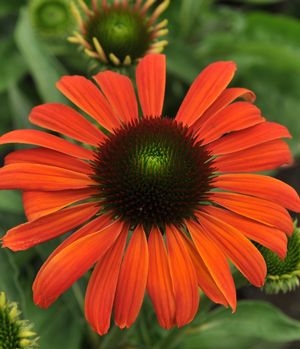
(120,33)
(162,204)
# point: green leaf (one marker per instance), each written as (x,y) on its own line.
(45,68)
(255,322)
(12,66)
(10,201)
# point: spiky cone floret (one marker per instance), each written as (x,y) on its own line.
(157,205)
(120,33)
(14,332)
(283,273)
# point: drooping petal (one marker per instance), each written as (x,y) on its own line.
(95,225)
(132,280)
(83,93)
(159,284)
(62,269)
(119,91)
(185,283)
(262,157)
(206,88)
(102,285)
(270,237)
(261,186)
(260,210)
(41,203)
(252,136)
(27,176)
(215,261)
(65,120)
(236,247)
(48,227)
(235,117)
(46,140)
(205,280)
(151,81)
(50,157)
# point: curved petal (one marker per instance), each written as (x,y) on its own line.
(102,285)
(45,228)
(119,91)
(95,225)
(27,176)
(65,120)
(62,269)
(243,254)
(159,283)
(83,93)
(235,117)
(260,210)
(132,280)
(225,98)
(45,156)
(261,186)
(252,136)
(46,140)
(262,157)
(185,283)
(205,89)
(215,262)
(41,203)
(205,280)
(151,81)
(270,237)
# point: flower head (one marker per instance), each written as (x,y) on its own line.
(14,332)
(51,18)
(120,33)
(161,205)
(283,274)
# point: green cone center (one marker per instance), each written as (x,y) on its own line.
(120,31)
(152,172)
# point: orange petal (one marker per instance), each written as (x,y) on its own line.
(185,283)
(151,81)
(262,157)
(252,136)
(83,93)
(27,176)
(102,285)
(132,280)
(45,228)
(95,225)
(243,254)
(159,284)
(45,156)
(206,88)
(119,91)
(41,203)
(260,210)
(264,187)
(64,268)
(48,141)
(65,120)
(215,261)
(235,117)
(205,280)
(270,237)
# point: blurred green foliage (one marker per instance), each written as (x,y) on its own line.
(263,37)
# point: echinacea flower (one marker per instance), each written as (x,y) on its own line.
(283,275)
(120,33)
(14,332)
(161,205)
(51,18)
